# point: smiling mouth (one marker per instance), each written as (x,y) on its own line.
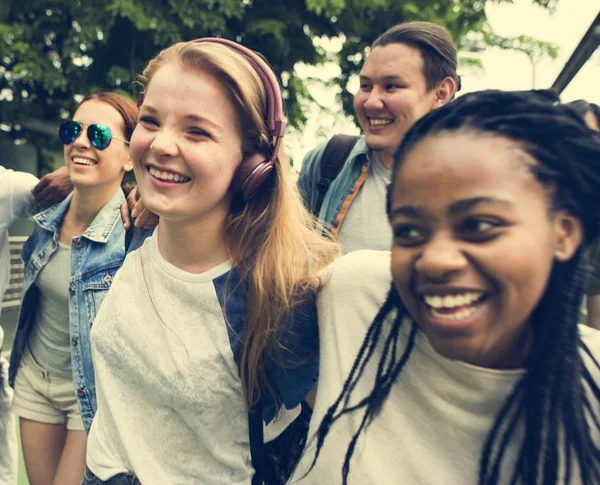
(83,161)
(453,307)
(379,122)
(166,176)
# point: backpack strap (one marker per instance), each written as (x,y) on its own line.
(334,156)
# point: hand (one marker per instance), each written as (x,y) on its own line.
(133,208)
(53,188)
(317,283)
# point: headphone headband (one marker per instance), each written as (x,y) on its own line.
(275,121)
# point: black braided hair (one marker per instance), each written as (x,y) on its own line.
(550,400)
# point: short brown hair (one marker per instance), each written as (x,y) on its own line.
(435,44)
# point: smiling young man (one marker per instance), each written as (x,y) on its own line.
(410,71)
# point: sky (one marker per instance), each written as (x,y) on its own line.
(502,69)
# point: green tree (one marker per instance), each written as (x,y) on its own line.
(54,51)
(51,51)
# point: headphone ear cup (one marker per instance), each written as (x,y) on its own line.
(251,174)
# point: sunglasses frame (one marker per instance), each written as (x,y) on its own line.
(89,133)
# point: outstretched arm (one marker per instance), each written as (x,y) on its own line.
(16,200)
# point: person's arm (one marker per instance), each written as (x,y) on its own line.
(134,208)
(16,199)
(53,188)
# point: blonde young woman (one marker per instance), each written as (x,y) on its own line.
(215,311)
(70,261)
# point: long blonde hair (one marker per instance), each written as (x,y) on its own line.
(271,237)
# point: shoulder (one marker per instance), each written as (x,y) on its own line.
(357,269)
(360,279)
(314,156)
(591,338)
(132,268)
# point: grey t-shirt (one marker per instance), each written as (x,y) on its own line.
(50,340)
(366,225)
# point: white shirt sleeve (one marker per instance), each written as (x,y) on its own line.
(16,199)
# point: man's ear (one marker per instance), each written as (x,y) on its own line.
(444,92)
(569,235)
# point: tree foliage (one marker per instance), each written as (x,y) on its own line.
(54,51)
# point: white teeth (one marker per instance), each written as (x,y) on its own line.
(168,176)
(83,161)
(380,121)
(451,301)
(464,313)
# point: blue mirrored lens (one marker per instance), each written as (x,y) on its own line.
(69,131)
(100,136)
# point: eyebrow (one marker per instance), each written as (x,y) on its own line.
(455,209)
(190,117)
(391,77)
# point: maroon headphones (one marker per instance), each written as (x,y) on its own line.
(256,167)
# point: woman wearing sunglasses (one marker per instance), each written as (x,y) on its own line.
(70,262)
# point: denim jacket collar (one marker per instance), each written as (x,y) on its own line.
(360,153)
(100,228)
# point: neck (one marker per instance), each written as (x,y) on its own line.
(513,355)
(386,157)
(195,246)
(86,203)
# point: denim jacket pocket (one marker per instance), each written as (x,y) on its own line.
(95,289)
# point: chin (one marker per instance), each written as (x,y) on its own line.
(79,181)
(377,144)
(451,350)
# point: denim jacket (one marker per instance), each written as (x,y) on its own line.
(342,191)
(96,256)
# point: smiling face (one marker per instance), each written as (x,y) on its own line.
(89,167)
(393,95)
(187,145)
(474,244)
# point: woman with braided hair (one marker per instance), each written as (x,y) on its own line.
(473,369)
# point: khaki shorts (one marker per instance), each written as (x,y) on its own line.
(42,397)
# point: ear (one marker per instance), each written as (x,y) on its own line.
(569,235)
(128,166)
(444,92)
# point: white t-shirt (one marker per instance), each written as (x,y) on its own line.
(16,202)
(366,225)
(432,428)
(170,401)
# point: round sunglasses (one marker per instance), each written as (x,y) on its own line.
(100,136)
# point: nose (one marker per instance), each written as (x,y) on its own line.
(440,257)
(374,100)
(82,141)
(164,144)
